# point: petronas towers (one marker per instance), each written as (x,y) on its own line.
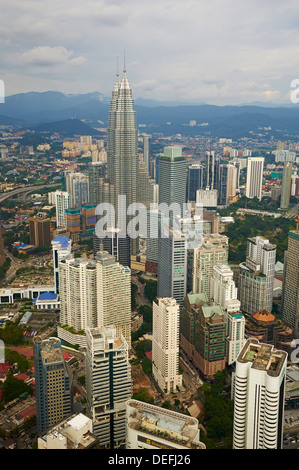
(123,164)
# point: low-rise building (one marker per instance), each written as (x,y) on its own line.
(72,433)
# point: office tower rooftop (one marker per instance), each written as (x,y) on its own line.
(152,427)
(172,177)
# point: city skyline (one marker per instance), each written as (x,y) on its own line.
(209,52)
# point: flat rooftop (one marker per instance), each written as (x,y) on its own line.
(263,357)
(171,426)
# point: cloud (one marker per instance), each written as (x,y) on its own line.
(47,56)
(213,51)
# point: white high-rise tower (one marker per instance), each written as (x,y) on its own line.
(254,181)
(258,393)
(166,328)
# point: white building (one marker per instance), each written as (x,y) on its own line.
(108,385)
(258,393)
(225,293)
(61,200)
(223,288)
(235,339)
(214,251)
(113,294)
(77,289)
(284,156)
(152,427)
(74,432)
(254,180)
(165,344)
(264,252)
(207,198)
(77,186)
(61,247)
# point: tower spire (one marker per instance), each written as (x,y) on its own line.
(125,68)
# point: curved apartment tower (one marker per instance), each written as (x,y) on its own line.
(258,392)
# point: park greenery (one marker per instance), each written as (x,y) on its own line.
(218,412)
(275,229)
(4,268)
(11,334)
(13,387)
(150,289)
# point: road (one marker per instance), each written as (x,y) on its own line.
(27,189)
(140,296)
(292,212)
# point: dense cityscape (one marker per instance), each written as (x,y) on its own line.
(149,278)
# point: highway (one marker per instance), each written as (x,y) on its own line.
(27,189)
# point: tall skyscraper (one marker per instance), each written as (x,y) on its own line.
(195,180)
(286,186)
(166,341)
(95,293)
(212,170)
(77,289)
(113,295)
(290,291)
(172,268)
(122,151)
(256,278)
(258,393)
(108,385)
(77,186)
(96,174)
(53,383)
(254,179)
(172,177)
(61,200)
(227,184)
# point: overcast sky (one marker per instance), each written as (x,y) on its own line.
(213,51)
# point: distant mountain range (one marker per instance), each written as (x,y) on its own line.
(55,111)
